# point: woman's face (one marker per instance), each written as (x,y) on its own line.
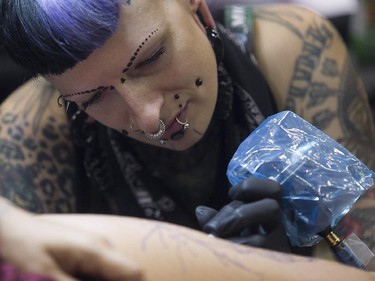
(158,65)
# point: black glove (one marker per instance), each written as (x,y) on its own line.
(252,218)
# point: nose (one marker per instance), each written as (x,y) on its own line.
(144,106)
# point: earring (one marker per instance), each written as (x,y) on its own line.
(158,134)
(216,43)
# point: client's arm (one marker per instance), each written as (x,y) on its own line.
(49,248)
(167,252)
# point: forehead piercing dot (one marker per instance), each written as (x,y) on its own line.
(123,80)
(198,82)
(176,96)
(180,105)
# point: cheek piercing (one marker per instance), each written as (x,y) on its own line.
(184,124)
(158,134)
(199,82)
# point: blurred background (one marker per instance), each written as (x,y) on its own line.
(354,19)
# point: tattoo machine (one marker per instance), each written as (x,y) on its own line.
(320,179)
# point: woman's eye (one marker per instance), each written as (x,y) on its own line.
(95,98)
(152,59)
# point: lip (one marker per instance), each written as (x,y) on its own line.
(173,126)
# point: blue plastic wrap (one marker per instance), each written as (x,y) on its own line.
(321,179)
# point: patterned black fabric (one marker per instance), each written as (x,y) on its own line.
(125,177)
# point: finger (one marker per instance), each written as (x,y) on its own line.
(265,212)
(214,224)
(61,276)
(253,189)
(256,240)
(204,214)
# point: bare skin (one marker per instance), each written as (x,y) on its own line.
(186,254)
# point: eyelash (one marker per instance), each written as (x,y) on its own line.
(95,99)
(99,94)
(152,59)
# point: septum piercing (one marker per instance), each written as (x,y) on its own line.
(158,134)
(185,124)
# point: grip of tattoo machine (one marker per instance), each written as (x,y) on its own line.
(320,179)
(350,251)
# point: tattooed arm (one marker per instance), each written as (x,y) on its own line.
(315,78)
(36,156)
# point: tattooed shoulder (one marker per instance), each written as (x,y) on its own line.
(310,73)
(36,156)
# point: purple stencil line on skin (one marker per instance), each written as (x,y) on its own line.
(135,55)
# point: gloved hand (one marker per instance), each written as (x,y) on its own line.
(252,218)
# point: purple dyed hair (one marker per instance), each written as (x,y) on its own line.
(51,36)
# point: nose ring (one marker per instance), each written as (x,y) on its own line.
(158,134)
(132,128)
(185,124)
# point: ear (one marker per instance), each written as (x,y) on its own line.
(202,7)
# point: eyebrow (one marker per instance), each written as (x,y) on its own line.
(126,69)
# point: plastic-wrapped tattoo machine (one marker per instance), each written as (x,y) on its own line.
(321,181)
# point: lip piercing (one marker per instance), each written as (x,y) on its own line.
(185,124)
(158,134)
(134,130)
